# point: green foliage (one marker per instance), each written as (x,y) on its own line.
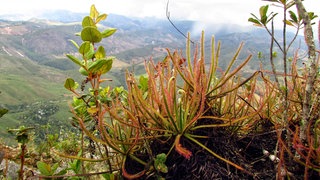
(168,109)
(24,84)
(295,89)
(264,17)
(159,163)
(48,170)
(100,66)
(143,83)
(87,50)
(173,102)
(3,111)
(108,32)
(89,106)
(167,102)
(21,134)
(45,146)
(23,137)
(68,143)
(74,59)
(75,166)
(46,118)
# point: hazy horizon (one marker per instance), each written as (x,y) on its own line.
(205,13)
(217,11)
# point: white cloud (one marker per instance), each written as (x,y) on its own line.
(213,11)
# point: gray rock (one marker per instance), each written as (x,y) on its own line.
(12,170)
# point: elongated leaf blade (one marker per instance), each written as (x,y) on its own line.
(289,23)
(54,167)
(74,59)
(83,71)
(108,32)
(293,17)
(101,17)
(255,21)
(264,20)
(74,43)
(44,168)
(93,12)
(263,10)
(101,66)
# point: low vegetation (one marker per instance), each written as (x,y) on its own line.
(185,117)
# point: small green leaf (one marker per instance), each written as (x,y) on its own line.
(91,34)
(255,21)
(312,16)
(83,71)
(70,84)
(143,83)
(92,110)
(289,23)
(87,50)
(108,32)
(93,12)
(54,167)
(74,59)
(21,134)
(101,66)
(274,54)
(264,20)
(101,17)
(88,21)
(101,53)
(75,165)
(260,55)
(263,11)
(78,166)
(3,112)
(118,90)
(44,168)
(74,43)
(159,163)
(23,138)
(293,17)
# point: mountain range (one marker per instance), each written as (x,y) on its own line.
(33,63)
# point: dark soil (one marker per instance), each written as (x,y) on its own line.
(246,152)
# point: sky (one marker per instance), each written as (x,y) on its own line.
(215,11)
